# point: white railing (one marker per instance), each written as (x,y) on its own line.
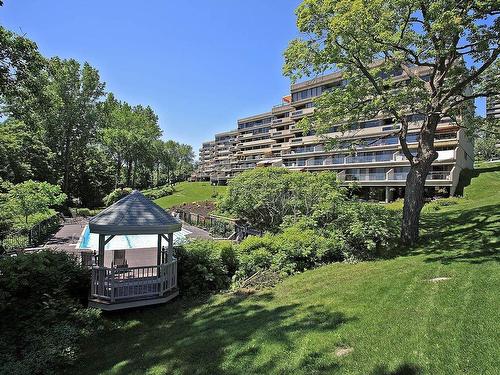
(433,175)
(365,177)
(114,284)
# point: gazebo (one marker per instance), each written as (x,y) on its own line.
(119,286)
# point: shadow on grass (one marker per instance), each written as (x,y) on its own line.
(404,369)
(226,337)
(466,176)
(470,236)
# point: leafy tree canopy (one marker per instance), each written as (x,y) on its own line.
(446,52)
(31,197)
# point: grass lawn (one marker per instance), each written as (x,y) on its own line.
(187,192)
(381,317)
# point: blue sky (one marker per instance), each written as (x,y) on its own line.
(200,64)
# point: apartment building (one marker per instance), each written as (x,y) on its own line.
(377,166)
(493,107)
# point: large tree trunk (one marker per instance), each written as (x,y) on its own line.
(413,203)
(415,184)
(66,166)
(129,172)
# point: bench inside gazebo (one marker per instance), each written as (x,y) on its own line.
(117,286)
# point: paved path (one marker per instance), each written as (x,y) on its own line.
(196,233)
(66,238)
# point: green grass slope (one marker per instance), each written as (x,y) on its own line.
(381,317)
(187,192)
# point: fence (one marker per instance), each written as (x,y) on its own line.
(217,226)
(23,238)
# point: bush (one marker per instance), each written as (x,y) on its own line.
(116,195)
(159,192)
(294,250)
(205,266)
(42,314)
(369,230)
(85,212)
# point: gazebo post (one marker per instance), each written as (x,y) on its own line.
(100,259)
(159,259)
(170,251)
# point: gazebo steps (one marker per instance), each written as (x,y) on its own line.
(131,303)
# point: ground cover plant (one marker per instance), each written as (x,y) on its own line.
(432,310)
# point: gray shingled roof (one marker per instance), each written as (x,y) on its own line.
(134,214)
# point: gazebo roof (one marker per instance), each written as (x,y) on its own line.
(134,214)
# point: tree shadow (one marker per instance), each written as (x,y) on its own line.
(227,337)
(404,369)
(462,236)
(466,176)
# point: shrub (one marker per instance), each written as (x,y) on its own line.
(116,195)
(255,254)
(369,230)
(85,212)
(159,192)
(42,314)
(205,266)
(294,250)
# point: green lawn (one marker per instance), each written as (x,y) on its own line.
(187,192)
(395,320)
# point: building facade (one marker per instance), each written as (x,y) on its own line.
(378,166)
(493,107)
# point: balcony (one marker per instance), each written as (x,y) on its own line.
(369,158)
(365,177)
(305,150)
(433,175)
(301,112)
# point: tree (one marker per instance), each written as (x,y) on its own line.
(265,196)
(31,197)
(23,155)
(22,77)
(487,139)
(371,41)
(72,123)
(129,135)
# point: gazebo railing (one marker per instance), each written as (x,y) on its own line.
(115,284)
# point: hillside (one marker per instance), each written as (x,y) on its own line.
(187,192)
(433,310)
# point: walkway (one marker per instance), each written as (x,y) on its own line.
(66,238)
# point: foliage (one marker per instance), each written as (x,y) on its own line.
(205,266)
(43,317)
(296,249)
(116,195)
(31,197)
(369,231)
(23,155)
(487,138)
(21,84)
(265,196)
(159,192)
(371,43)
